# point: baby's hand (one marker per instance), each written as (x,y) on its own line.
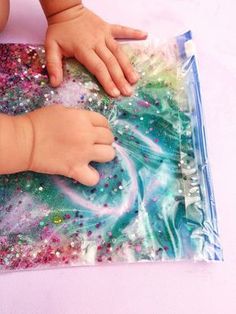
(79,33)
(66,140)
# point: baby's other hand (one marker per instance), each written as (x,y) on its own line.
(78,32)
(66,140)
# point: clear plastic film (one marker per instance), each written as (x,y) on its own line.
(154,201)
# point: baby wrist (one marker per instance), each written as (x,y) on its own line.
(56,10)
(15,144)
(25,141)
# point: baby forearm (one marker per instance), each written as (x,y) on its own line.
(52,7)
(15,143)
(4,13)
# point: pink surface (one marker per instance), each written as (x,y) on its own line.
(154,288)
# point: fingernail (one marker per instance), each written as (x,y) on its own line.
(127,89)
(134,77)
(53,80)
(115,92)
(144,33)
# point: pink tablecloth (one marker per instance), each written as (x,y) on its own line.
(171,288)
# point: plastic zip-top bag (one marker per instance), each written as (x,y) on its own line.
(154,201)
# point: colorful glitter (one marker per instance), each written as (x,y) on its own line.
(154,200)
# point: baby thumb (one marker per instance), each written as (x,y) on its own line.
(54,63)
